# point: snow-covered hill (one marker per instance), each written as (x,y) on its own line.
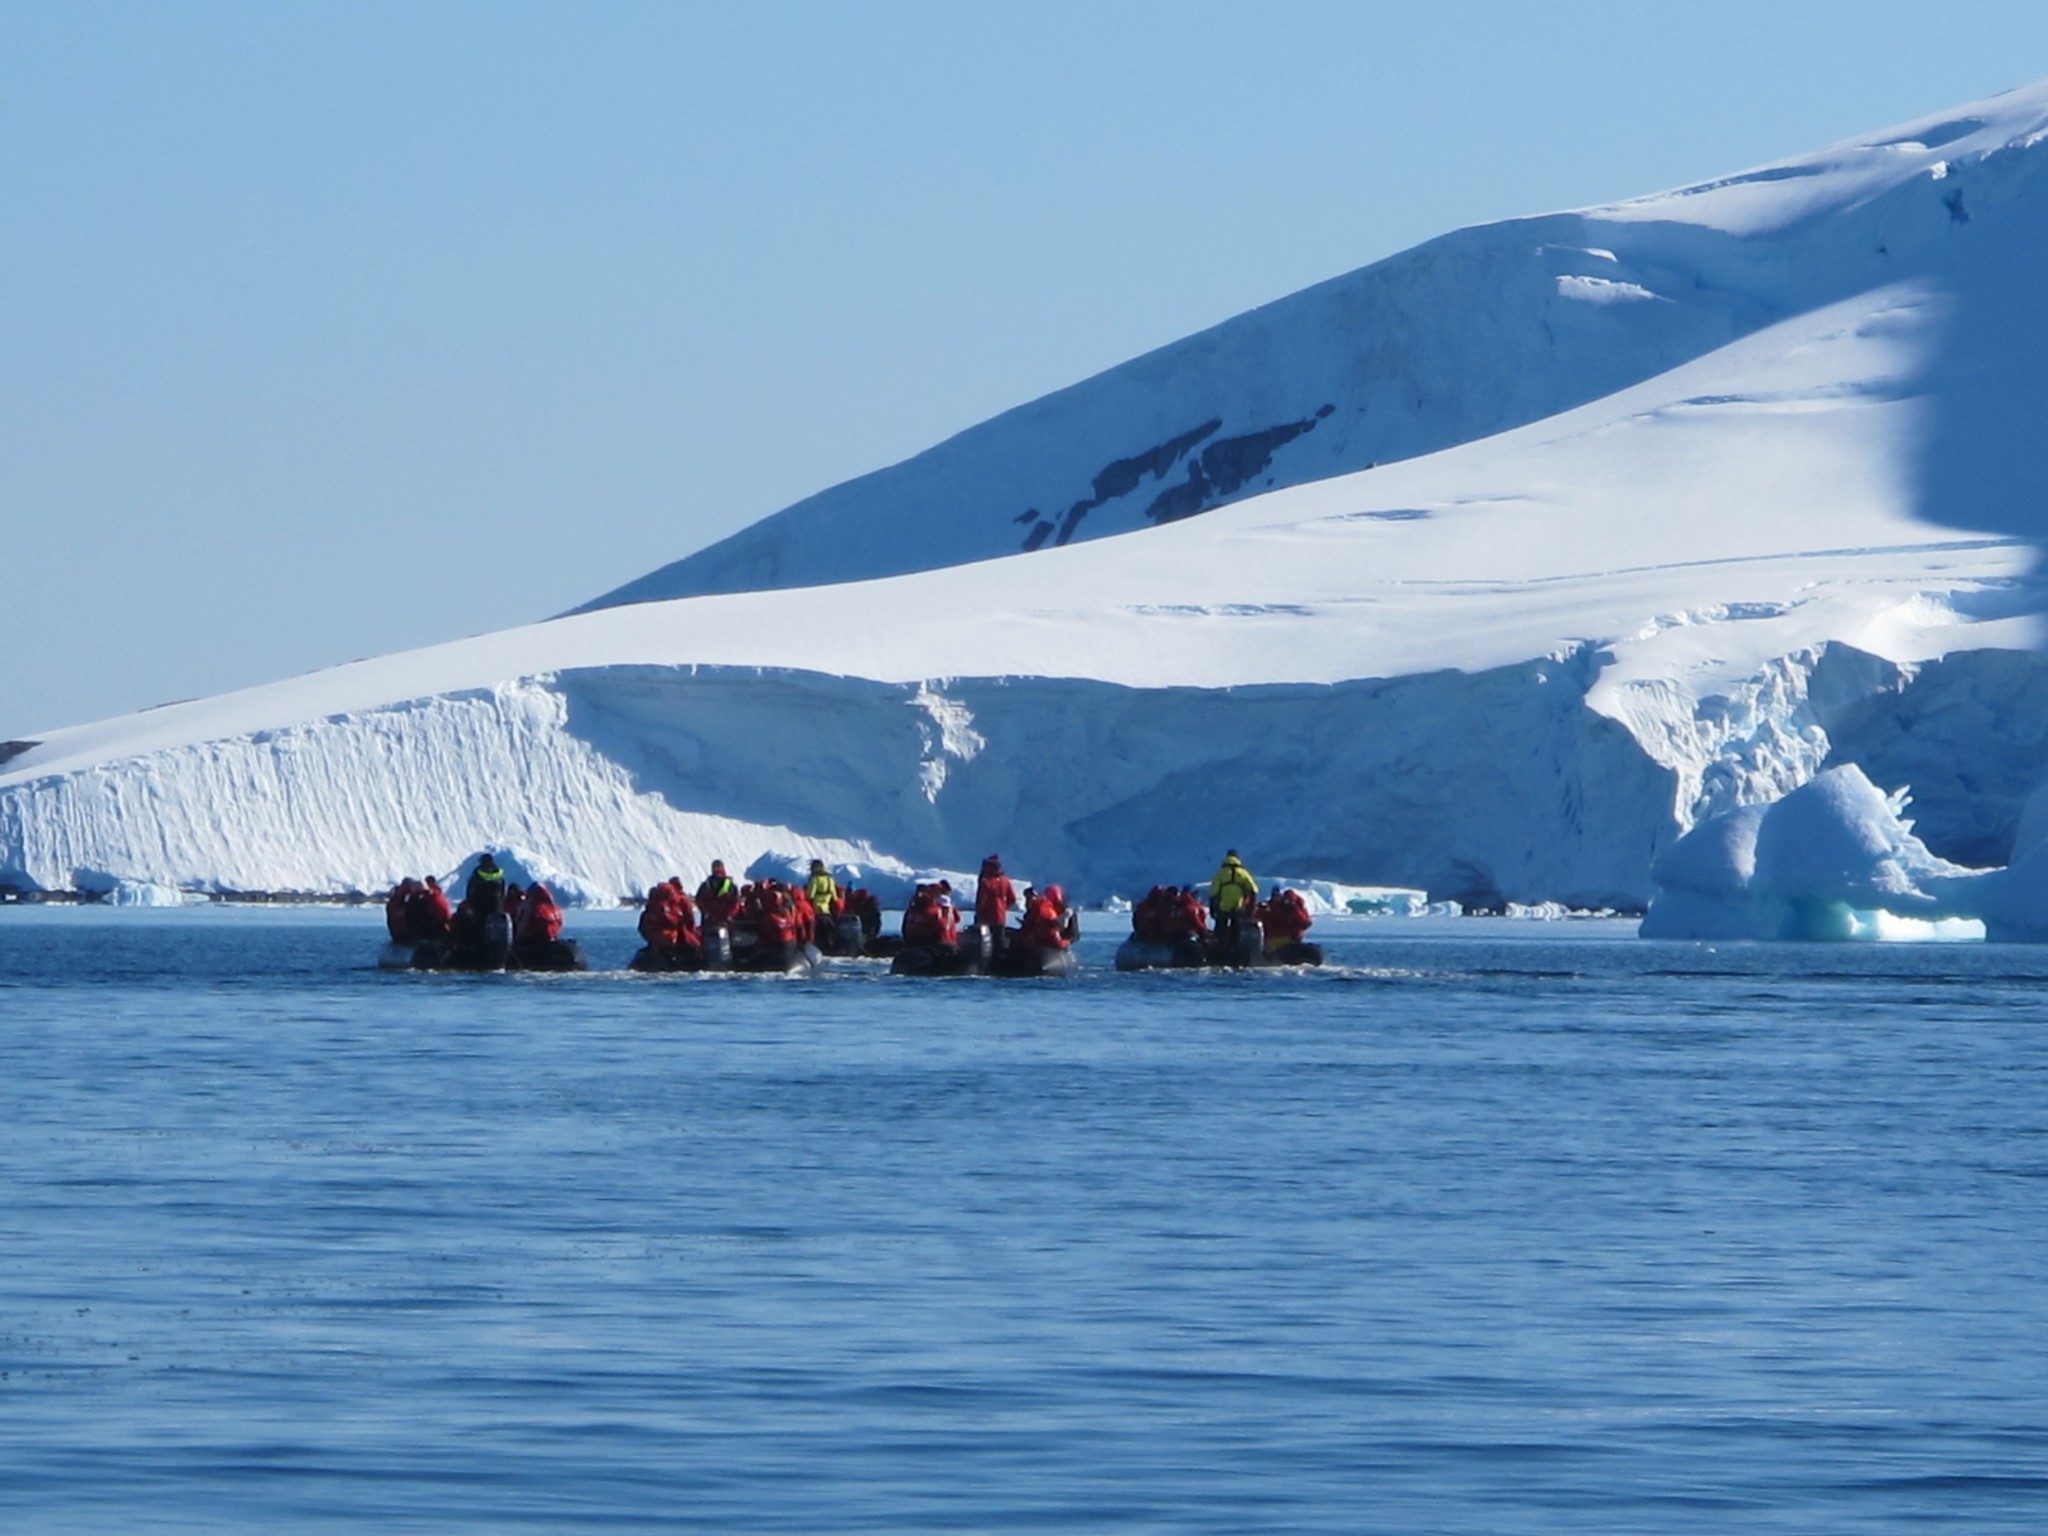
(1471,334)
(1792,520)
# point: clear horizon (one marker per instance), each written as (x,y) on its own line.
(342,330)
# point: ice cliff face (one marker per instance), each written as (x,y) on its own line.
(642,771)
(1793,526)
(338,804)
(623,775)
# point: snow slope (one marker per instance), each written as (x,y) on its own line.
(1479,331)
(1514,669)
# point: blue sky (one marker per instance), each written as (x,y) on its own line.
(334,329)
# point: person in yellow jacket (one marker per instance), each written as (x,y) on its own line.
(822,889)
(1234,900)
(1233,890)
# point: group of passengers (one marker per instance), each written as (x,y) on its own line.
(764,911)
(1045,921)
(417,911)
(1172,915)
(770,912)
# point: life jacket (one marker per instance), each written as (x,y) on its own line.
(719,898)
(485,894)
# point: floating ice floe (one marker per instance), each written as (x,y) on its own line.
(1327,898)
(143,893)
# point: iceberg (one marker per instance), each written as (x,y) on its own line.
(141,893)
(1833,859)
(1330,898)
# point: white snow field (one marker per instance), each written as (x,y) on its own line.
(1729,486)
(1467,335)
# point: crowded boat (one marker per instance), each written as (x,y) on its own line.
(1173,928)
(764,925)
(935,944)
(498,926)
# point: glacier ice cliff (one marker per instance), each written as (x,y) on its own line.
(627,774)
(1488,787)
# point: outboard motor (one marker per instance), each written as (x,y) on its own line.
(494,944)
(976,946)
(718,948)
(849,937)
(1242,943)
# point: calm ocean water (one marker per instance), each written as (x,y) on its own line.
(1489,1227)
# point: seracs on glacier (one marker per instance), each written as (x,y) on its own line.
(1675,505)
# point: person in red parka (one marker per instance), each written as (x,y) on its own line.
(539,920)
(661,920)
(921,917)
(398,910)
(718,897)
(687,930)
(861,904)
(1190,918)
(930,918)
(777,923)
(1045,925)
(1149,916)
(1284,916)
(994,896)
(431,916)
(657,915)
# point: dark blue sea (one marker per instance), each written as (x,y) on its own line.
(1487,1227)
